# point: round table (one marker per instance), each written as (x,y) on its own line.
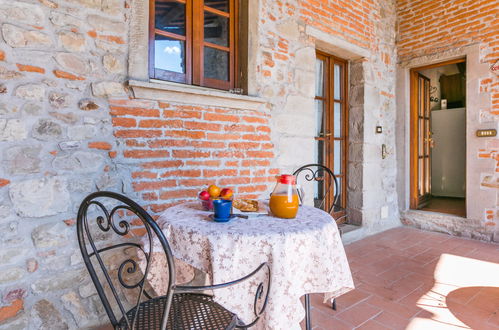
(305,255)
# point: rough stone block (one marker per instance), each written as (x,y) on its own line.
(81,132)
(107,89)
(113,64)
(9,74)
(68,118)
(81,185)
(61,19)
(35,92)
(302,82)
(21,12)
(111,7)
(12,130)
(72,63)
(32,108)
(299,105)
(72,41)
(17,37)
(47,130)
(295,151)
(71,279)
(80,161)
(96,4)
(11,274)
(87,105)
(101,23)
(8,256)
(44,316)
(8,110)
(87,290)
(73,304)
(10,234)
(298,124)
(289,29)
(39,197)
(59,100)
(306,59)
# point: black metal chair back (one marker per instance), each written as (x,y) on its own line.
(105,217)
(327,180)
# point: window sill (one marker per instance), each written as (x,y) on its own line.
(173,92)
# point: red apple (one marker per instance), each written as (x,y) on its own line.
(204,195)
(226,193)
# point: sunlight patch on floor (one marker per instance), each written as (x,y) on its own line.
(459,282)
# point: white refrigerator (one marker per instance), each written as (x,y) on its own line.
(448,156)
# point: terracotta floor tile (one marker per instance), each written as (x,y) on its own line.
(316,300)
(350,299)
(372,325)
(407,278)
(392,320)
(487,299)
(358,314)
(494,319)
(397,308)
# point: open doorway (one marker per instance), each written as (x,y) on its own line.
(438,137)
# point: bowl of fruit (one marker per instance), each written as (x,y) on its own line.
(213,192)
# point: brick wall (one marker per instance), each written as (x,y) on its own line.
(173,151)
(352,20)
(432,27)
(451,25)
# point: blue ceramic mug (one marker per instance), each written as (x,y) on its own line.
(222,208)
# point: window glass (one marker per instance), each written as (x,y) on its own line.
(194,44)
(216,64)
(222,5)
(216,29)
(170,16)
(337,119)
(337,157)
(169,54)
(337,82)
(319,77)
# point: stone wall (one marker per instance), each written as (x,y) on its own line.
(59,61)
(452,31)
(70,124)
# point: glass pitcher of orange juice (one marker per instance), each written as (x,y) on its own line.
(284,199)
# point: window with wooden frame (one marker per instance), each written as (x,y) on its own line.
(193,42)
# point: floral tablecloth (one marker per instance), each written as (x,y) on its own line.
(305,255)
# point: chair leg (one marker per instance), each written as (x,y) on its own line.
(308,321)
(333,306)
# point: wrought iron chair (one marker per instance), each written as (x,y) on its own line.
(123,285)
(323,175)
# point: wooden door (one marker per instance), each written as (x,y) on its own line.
(331,118)
(423,142)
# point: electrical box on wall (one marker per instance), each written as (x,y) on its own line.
(379,129)
(486,133)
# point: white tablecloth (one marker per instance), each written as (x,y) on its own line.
(305,255)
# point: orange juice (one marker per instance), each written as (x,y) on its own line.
(283,206)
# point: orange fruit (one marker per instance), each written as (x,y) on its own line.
(214,191)
(226,193)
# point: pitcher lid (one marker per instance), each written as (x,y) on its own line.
(287,179)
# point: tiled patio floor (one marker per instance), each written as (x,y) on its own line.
(411,279)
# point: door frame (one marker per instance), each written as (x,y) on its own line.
(329,108)
(413,139)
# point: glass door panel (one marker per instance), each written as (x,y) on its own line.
(331,116)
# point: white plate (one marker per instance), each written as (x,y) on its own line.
(263,209)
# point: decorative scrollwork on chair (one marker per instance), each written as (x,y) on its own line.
(181,307)
(330,188)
